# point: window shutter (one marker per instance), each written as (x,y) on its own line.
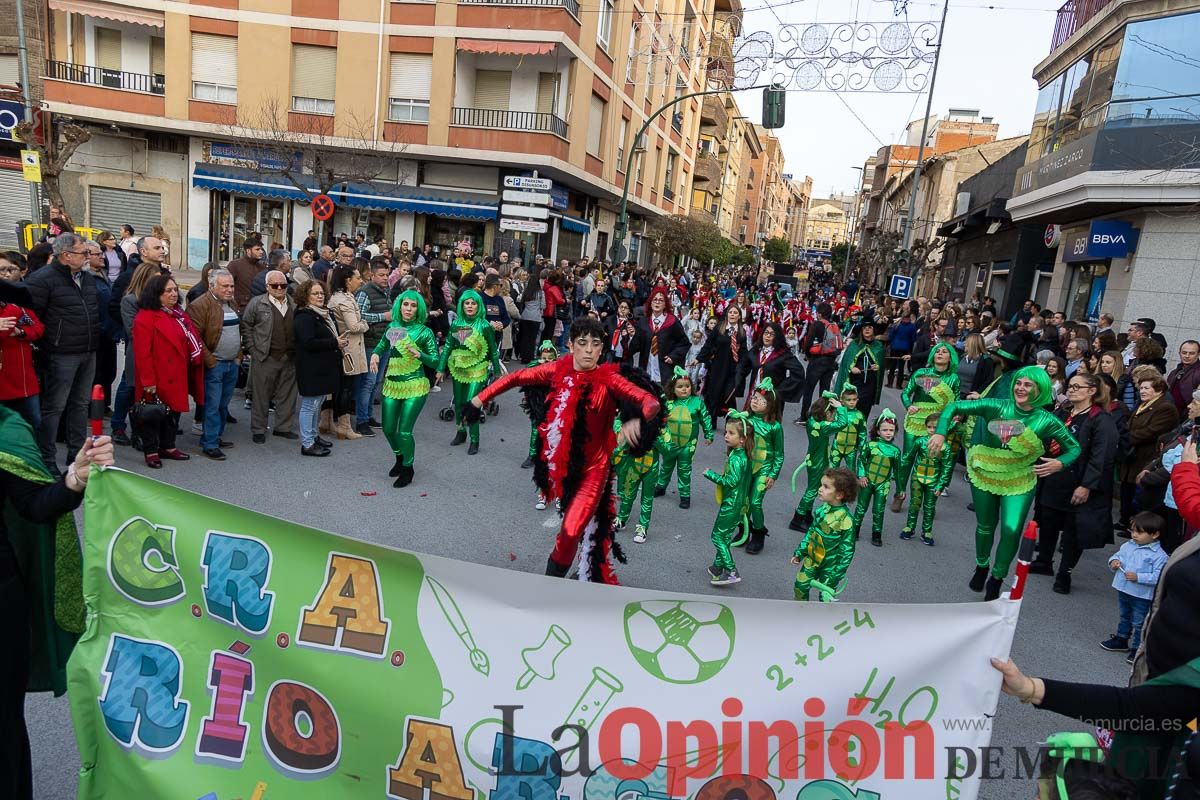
(158,56)
(547,84)
(214,59)
(595,125)
(492,89)
(411,76)
(10,73)
(314,71)
(108,49)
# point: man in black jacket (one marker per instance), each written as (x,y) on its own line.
(822,348)
(65,299)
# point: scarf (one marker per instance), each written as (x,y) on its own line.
(323,313)
(189,332)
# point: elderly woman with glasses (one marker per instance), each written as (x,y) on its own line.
(1076,503)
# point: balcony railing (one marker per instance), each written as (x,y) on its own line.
(108,78)
(569,5)
(509,120)
(1073,15)
(668,195)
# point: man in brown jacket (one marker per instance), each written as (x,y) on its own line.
(267,338)
(220,335)
(244,270)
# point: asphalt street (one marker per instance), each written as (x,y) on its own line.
(481,509)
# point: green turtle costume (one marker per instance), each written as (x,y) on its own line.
(1000,463)
(686,418)
(816,461)
(470,350)
(766,462)
(413,347)
(847,444)
(636,473)
(926,476)
(930,390)
(826,550)
(733,489)
(880,464)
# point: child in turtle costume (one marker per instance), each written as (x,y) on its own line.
(687,416)
(636,473)
(931,388)
(929,475)
(766,457)
(879,468)
(825,418)
(470,350)
(847,443)
(1004,461)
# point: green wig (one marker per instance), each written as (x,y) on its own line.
(463,319)
(953,356)
(422,311)
(1043,392)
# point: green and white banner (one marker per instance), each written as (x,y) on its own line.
(230,654)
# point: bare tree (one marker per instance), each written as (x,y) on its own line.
(59,146)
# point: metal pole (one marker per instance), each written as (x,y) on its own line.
(35,205)
(850,233)
(912,200)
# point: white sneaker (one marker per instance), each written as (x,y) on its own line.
(540,505)
(435,388)
(639,535)
(246,405)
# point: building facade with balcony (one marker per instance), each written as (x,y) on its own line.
(456,95)
(1112,172)
(799,200)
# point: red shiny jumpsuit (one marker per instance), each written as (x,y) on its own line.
(566,389)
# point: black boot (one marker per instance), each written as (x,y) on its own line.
(685,502)
(527,463)
(395,470)
(800,522)
(555,570)
(403,477)
(757,541)
(993,589)
(473,448)
(459,438)
(1062,583)
(1038,567)
(736,540)
(659,491)
(877,538)
(978,578)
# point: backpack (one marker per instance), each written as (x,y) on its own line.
(830,344)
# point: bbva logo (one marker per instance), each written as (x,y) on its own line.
(1108,238)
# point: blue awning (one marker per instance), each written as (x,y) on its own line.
(240,180)
(416,200)
(575,225)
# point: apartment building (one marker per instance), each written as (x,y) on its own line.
(15,204)
(799,200)
(1112,171)
(827,226)
(457,95)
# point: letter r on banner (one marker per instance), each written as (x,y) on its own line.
(350,603)
(236,571)
(140,702)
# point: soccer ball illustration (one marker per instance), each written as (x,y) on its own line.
(679,641)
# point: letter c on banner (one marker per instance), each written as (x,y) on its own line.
(142,563)
(308,753)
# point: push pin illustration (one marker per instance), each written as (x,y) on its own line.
(539,661)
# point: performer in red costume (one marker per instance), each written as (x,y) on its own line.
(575,440)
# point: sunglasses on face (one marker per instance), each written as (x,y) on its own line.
(277,285)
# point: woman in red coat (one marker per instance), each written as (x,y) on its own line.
(168,352)
(19,329)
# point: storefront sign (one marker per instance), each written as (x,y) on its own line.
(1110,238)
(1072,158)
(1052,236)
(236,155)
(560,198)
(11,115)
(522,182)
(527,225)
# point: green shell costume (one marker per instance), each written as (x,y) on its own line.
(930,390)
(847,444)
(926,475)
(880,464)
(817,460)
(411,347)
(766,459)
(1008,441)
(470,350)
(733,489)
(634,474)
(826,550)
(686,418)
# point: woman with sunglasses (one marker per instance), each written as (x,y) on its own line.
(1076,503)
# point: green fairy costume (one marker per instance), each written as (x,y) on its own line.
(826,550)
(545,346)
(926,475)
(1009,440)
(766,462)
(816,461)
(686,418)
(413,347)
(634,474)
(880,463)
(847,443)
(733,489)
(50,564)
(868,358)
(930,390)
(470,350)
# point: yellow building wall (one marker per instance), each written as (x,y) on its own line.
(264,73)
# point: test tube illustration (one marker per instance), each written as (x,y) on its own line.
(591,704)
(539,661)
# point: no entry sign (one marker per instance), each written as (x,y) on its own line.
(322,207)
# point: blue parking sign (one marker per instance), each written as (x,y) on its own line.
(901,287)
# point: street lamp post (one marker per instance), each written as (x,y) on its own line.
(850,240)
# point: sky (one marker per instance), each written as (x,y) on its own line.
(989,52)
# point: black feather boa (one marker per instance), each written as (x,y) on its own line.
(651,427)
(533,402)
(471,414)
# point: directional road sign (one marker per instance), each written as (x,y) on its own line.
(527,225)
(521,182)
(517,196)
(533,212)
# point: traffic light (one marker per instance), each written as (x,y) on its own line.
(773,108)
(903,259)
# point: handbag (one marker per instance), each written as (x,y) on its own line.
(149,413)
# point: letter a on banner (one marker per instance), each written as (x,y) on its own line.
(349,604)
(430,761)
